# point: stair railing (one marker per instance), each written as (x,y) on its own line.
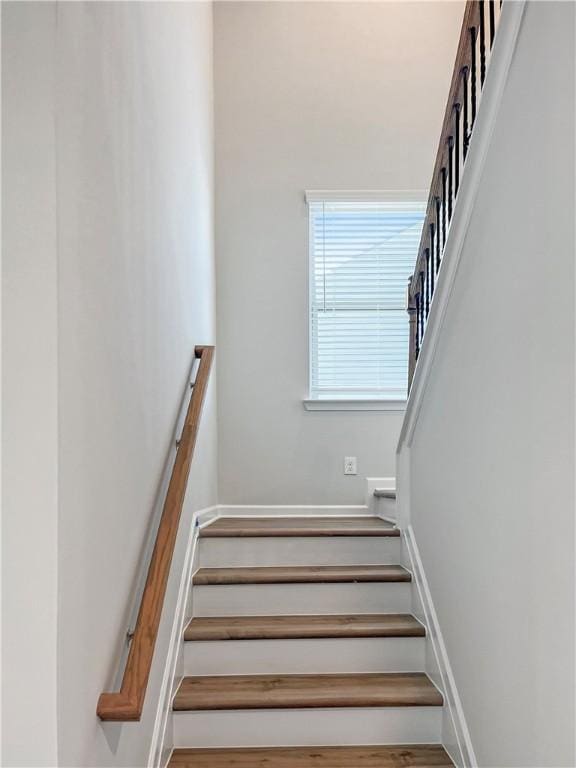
(127,703)
(481,18)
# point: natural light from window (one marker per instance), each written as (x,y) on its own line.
(362,253)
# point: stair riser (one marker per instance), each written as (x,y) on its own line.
(386,508)
(304,727)
(270,551)
(305,656)
(275,599)
(290,510)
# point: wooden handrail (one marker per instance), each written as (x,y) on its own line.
(475,44)
(127,703)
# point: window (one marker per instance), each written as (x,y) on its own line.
(362,252)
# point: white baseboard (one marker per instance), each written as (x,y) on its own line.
(206,516)
(287,510)
(456,737)
(160,745)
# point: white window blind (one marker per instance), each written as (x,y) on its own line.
(361,255)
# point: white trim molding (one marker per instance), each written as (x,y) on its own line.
(160,745)
(363,195)
(456,736)
(354,405)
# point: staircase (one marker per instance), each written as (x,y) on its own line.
(302,650)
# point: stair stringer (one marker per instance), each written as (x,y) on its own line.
(162,741)
(455,734)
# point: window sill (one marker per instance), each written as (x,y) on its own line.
(354,405)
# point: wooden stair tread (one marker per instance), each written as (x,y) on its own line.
(306,691)
(292,627)
(298,526)
(301,574)
(397,756)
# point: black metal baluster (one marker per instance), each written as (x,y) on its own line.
(450,175)
(482,41)
(465,137)
(423,301)
(473,76)
(417,339)
(492,22)
(428,280)
(426,296)
(443,172)
(432,263)
(437,234)
(456,149)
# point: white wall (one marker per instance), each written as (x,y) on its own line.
(29,387)
(308,95)
(133,155)
(492,459)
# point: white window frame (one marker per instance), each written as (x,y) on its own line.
(323,195)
